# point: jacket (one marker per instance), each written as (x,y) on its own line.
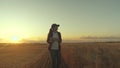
(50,34)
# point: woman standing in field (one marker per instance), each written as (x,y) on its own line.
(54,40)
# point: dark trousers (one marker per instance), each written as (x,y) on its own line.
(56,58)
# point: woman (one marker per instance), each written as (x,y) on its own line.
(54,40)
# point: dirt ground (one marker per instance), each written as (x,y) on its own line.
(74,55)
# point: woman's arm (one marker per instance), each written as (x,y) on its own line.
(60,40)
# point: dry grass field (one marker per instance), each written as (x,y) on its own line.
(74,55)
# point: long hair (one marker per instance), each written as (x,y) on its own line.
(50,30)
(49,34)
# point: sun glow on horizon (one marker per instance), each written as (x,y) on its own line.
(15,39)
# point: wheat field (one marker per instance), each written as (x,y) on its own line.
(74,55)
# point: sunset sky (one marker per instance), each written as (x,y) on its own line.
(30,20)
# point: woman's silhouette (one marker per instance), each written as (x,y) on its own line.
(54,39)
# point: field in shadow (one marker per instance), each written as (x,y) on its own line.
(74,55)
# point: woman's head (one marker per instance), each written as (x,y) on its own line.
(54,27)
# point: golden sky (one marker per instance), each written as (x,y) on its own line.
(31,19)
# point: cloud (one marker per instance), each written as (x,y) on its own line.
(2,40)
(93,37)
